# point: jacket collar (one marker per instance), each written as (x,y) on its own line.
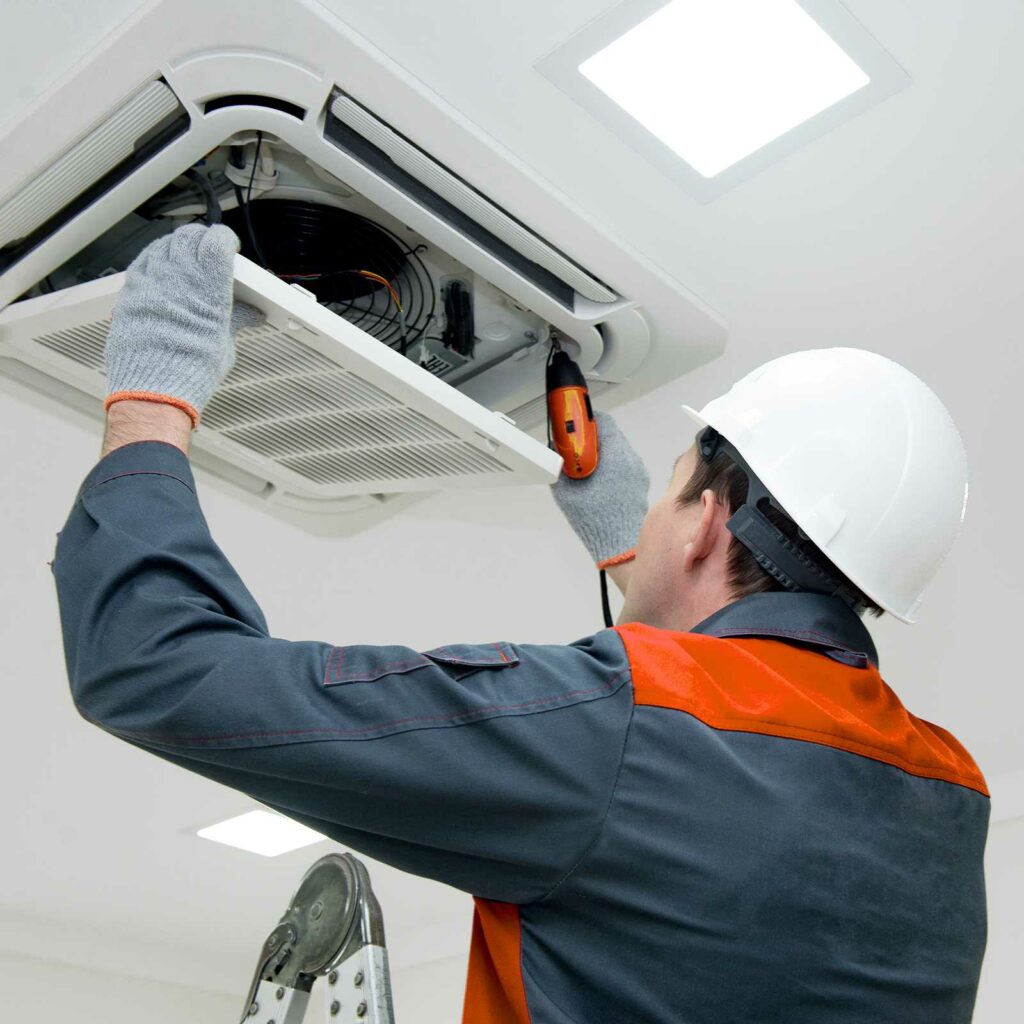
(820,620)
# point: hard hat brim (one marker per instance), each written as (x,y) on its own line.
(695,416)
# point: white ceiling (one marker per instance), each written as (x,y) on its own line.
(899,232)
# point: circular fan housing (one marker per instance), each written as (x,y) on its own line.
(330,251)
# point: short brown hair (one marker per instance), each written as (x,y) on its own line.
(729,484)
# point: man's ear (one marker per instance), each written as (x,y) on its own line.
(702,537)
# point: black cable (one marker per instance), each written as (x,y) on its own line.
(248,199)
(244,207)
(606,608)
(213,212)
(551,355)
(255,164)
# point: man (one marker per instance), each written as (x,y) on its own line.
(715,812)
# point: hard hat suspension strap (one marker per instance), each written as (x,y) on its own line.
(776,553)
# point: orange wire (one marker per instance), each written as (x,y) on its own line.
(365,273)
(387,284)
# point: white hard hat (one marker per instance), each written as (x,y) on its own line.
(861,455)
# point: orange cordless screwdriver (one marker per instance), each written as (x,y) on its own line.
(571,419)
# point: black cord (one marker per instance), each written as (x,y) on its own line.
(606,608)
(244,204)
(255,164)
(547,404)
(244,207)
(213,212)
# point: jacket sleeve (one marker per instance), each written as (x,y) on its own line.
(489,767)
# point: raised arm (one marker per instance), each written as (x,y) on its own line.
(487,766)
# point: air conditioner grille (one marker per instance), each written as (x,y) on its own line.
(261,354)
(298,395)
(84,344)
(402,462)
(287,402)
(340,430)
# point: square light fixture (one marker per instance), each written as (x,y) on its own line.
(262,832)
(712,91)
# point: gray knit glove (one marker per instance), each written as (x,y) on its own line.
(171,337)
(607,508)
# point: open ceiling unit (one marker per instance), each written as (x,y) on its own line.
(413,274)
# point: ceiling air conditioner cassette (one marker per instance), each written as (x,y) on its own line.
(414,274)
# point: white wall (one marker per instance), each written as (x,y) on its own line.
(430,993)
(36,992)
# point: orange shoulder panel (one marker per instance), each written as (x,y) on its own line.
(750,684)
(494,987)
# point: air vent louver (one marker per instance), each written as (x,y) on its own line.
(441,189)
(439,461)
(82,344)
(87,161)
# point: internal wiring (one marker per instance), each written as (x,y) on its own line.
(248,200)
(333,273)
(370,275)
(362,270)
(384,281)
(412,291)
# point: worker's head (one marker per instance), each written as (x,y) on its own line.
(857,483)
(689,564)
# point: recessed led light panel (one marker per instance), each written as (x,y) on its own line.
(262,832)
(713,90)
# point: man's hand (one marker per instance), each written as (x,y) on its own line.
(171,337)
(607,508)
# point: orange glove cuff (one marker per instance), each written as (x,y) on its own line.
(626,556)
(153,396)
